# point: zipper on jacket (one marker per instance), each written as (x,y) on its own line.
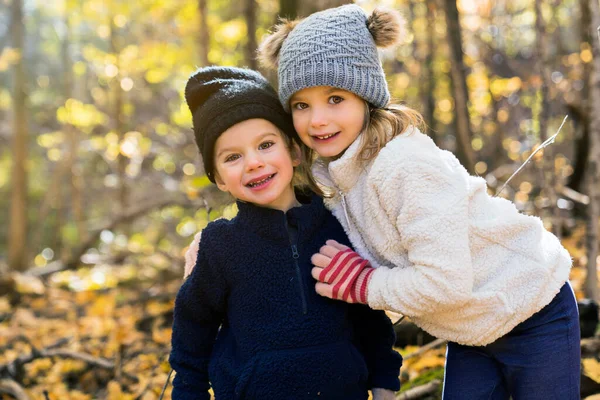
(295,255)
(343,197)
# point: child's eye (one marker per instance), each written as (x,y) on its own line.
(299,106)
(335,100)
(265,145)
(232,157)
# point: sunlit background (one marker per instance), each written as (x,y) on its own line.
(114,189)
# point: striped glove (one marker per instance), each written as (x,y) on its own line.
(349,276)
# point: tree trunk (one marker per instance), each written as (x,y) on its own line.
(308,7)
(73,135)
(288,9)
(591,284)
(498,155)
(17,241)
(459,87)
(64,166)
(117,116)
(581,110)
(250,49)
(582,142)
(428,80)
(547,175)
(203,38)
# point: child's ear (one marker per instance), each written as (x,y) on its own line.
(296,153)
(220,183)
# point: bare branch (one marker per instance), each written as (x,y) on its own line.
(546,143)
(420,391)
(424,349)
(49,352)
(13,389)
(574,195)
(129,215)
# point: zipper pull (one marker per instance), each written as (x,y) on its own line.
(344,206)
(295,252)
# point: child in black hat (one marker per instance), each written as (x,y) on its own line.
(248,322)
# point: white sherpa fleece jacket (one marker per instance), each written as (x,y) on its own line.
(465,266)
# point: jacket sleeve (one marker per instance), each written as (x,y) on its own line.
(424,193)
(199,311)
(375,339)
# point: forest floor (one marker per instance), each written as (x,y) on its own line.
(105,332)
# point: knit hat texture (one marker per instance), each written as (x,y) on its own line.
(220,97)
(333,48)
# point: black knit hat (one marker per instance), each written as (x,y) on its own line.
(220,97)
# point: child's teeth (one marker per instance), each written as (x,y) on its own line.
(260,182)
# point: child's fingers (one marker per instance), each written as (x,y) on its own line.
(315,272)
(337,245)
(323,289)
(329,251)
(320,260)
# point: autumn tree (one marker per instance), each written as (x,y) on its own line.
(251,45)
(593,185)
(460,92)
(203,38)
(288,9)
(18,213)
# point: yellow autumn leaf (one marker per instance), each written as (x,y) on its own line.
(162,336)
(114,390)
(4,305)
(591,369)
(427,362)
(28,284)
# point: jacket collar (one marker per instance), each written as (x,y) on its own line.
(343,173)
(273,224)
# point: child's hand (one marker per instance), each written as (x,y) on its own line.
(383,394)
(191,254)
(341,273)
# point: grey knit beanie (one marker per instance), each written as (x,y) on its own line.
(335,47)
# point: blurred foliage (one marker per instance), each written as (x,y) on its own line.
(144,51)
(81,56)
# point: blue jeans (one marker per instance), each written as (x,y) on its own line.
(538,359)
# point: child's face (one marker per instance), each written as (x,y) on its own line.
(327,119)
(253,163)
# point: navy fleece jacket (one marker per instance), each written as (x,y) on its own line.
(249,324)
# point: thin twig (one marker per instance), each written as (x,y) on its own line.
(546,143)
(13,389)
(165,386)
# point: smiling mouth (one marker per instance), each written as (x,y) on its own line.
(325,137)
(254,184)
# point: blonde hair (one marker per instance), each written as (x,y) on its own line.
(380,126)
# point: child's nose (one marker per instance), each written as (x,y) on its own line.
(254,161)
(318,117)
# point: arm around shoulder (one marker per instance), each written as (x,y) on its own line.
(191,255)
(199,311)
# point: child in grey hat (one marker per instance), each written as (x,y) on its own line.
(430,242)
